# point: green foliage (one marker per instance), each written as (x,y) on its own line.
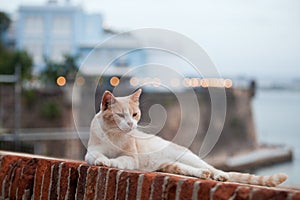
(25,61)
(9,59)
(50,110)
(50,73)
(4,22)
(71,67)
(67,68)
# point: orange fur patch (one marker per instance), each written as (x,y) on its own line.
(170,168)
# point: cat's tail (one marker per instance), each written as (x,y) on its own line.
(270,181)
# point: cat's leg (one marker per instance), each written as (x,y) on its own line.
(96,158)
(183,169)
(125,162)
(189,158)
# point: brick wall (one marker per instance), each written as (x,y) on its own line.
(33,177)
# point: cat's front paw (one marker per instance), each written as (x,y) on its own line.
(102,162)
(221,176)
(204,173)
(121,164)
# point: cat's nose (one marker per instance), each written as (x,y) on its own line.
(130,124)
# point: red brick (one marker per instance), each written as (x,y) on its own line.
(158,187)
(13,183)
(82,170)
(225,191)
(24,173)
(204,189)
(296,196)
(122,185)
(242,193)
(39,179)
(261,194)
(27,177)
(43,167)
(72,180)
(187,189)
(47,164)
(64,180)
(171,187)
(146,187)
(133,185)
(111,184)
(281,195)
(91,182)
(102,183)
(10,188)
(7,166)
(54,181)
(16,178)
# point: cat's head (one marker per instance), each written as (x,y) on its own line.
(121,113)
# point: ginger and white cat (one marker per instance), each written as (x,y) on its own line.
(115,141)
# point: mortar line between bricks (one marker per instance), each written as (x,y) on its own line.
(34,184)
(195,190)
(25,194)
(212,190)
(10,182)
(1,156)
(42,185)
(166,179)
(68,187)
(3,186)
(139,187)
(117,183)
(86,180)
(78,170)
(234,193)
(58,180)
(106,183)
(97,184)
(290,195)
(127,188)
(17,191)
(251,193)
(152,189)
(22,172)
(12,176)
(49,189)
(178,189)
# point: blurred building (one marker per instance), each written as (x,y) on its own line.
(54,29)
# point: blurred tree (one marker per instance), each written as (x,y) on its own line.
(9,59)
(71,67)
(67,68)
(4,22)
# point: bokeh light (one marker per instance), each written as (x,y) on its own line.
(61,81)
(114,81)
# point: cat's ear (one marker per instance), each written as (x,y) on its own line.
(107,100)
(136,95)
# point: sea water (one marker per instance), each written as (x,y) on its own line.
(277,120)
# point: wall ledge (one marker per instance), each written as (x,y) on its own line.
(25,176)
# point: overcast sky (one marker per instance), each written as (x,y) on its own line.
(257,38)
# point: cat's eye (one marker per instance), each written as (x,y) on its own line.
(120,115)
(134,114)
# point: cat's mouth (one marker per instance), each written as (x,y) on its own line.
(127,129)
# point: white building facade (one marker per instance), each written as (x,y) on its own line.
(55,29)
